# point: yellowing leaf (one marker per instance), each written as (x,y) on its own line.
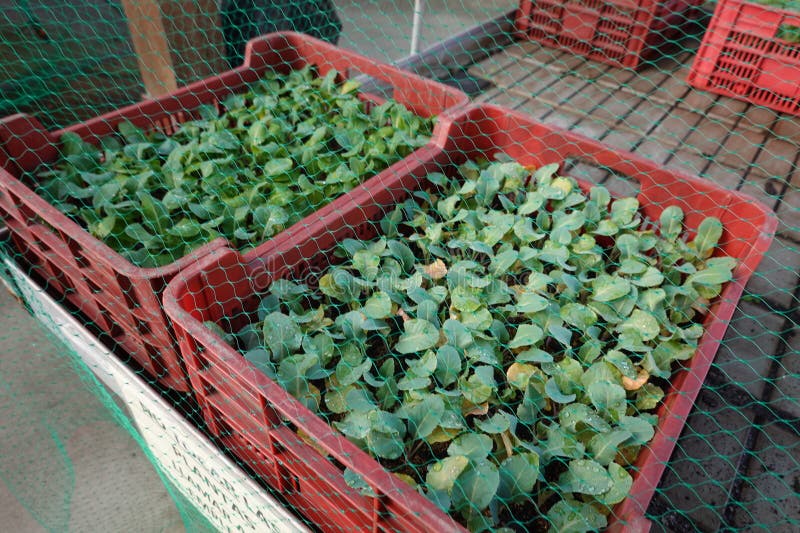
(638,383)
(436,270)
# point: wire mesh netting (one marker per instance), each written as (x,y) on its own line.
(399,266)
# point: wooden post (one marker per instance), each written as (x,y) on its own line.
(176,42)
(193,31)
(151,46)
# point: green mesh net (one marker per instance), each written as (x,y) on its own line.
(421,266)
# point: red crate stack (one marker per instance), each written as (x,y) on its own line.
(621,33)
(297,452)
(745,54)
(119,298)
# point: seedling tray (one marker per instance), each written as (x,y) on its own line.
(744,55)
(622,33)
(297,452)
(121,299)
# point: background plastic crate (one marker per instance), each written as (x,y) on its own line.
(260,422)
(621,33)
(743,56)
(119,298)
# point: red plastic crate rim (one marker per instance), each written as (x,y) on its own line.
(621,32)
(224,283)
(115,294)
(742,55)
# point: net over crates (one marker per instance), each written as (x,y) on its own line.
(417,266)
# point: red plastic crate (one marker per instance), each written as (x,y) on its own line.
(120,298)
(255,415)
(743,56)
(621,33)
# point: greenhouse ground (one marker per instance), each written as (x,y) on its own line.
(737,463)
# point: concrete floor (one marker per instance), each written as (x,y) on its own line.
(382,29)
(66,463)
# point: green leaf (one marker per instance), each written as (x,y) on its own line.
(478,321)
(651,277)
(443,474)
(713,274)
(281,334)
(475,446)
(527,335)
(571,516)
(486,188)
(386,434)
(354,425)
(457,334)
(586,476)
(419,335)
(567,374)
(604,446)
(623,211)
(530,302)
(185,229)
(262,359)
(480,385)
(275,167)
(560,443)
(578,315)
(367,263)
(555,394)
(429,310)
(533,202)
(640,429)
(534,355)
(642,323)
(632,266)
(608,397)
(355,481)
(476,486)
(502,262)
(666,352)
(709,233)
(402,253)
(671,221)
(424,416)
(498,423)
(621,487)
(533,402)
(336,398)
(448,365)
(497,226)
(154,212)
(349,86)
(348,373)
(628,245)
(545,173)
(648,397)
(378,306)
(105,194)
(622,362)
(518,475)
(561,334)
(104,228)
(608,288)
(577,413)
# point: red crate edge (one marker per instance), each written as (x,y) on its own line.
(576,28)
(742,57)
(186,298)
